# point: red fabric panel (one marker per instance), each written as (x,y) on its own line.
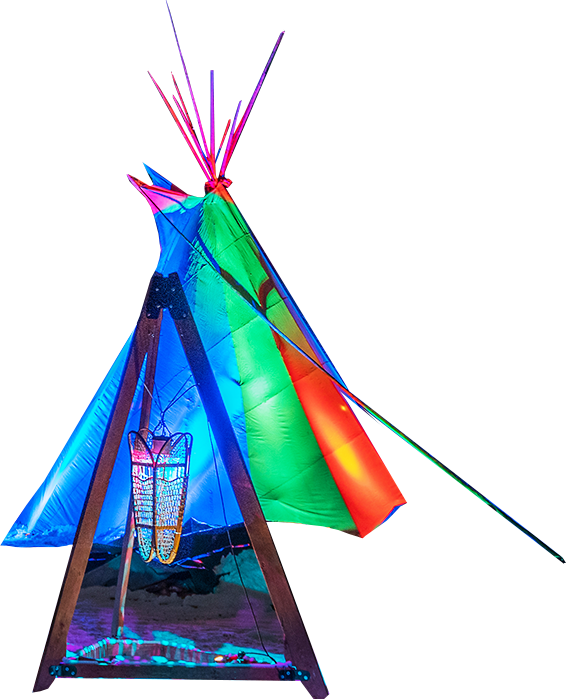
(412,488)
(369,491)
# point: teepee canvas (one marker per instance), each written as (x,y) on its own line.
(221,360)
(221,357)
(309,458)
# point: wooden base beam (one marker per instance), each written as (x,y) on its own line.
(218,671)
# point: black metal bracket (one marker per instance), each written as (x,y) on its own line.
(291,674)
(166,292)
(62,671)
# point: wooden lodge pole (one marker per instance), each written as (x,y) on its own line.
(117,627)
(55,646)
(297,644)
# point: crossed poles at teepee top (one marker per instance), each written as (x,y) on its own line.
(211,143)
(168,292)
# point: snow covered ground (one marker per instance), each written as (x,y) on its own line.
(217,623)
(399,614)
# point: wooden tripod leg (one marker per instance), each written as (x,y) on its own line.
(55,647)
(117,628)
(297,642)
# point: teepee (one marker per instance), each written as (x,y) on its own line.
(222,362)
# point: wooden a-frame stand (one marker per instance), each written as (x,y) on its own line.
(167,292)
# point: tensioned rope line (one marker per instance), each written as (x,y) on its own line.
(232,547)
(234,285)
(171,403)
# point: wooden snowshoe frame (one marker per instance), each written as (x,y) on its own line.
(159,492)
(167,292)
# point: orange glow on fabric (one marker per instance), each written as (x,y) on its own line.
(368,490)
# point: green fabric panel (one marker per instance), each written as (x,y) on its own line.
(279,315)
(287,511)
(237,254)
(288,470)
(226,235)
(286,463)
